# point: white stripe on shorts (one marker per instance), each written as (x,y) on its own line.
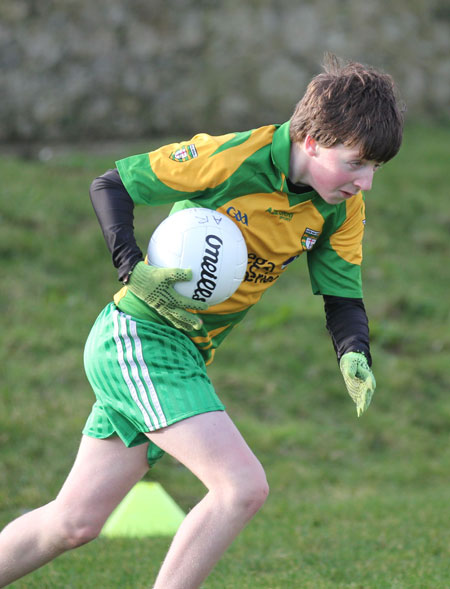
(146,375)
(150,419)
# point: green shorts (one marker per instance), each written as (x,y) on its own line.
(145,376)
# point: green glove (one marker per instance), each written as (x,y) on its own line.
(358,378)
(155,287)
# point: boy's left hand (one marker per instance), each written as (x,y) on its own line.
(358,378)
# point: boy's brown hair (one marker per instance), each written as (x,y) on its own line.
(352,104)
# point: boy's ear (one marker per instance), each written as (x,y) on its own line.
(311,146)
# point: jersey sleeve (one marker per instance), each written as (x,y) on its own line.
(335,264)
(177,171)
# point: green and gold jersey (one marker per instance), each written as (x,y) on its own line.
(244,176)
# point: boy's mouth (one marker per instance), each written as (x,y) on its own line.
(346,194)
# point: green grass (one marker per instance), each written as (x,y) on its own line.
(355,503)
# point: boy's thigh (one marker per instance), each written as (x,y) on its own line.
(145,376)
(211,447)
(104,471)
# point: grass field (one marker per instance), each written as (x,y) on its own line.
(355,503)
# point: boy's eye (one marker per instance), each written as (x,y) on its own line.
(359,164)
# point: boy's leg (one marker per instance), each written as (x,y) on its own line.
(212,448)
(103,473)
(105,470)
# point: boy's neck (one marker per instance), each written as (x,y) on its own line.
(298,170)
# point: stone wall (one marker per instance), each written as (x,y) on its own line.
(77,69)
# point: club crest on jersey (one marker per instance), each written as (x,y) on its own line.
(309,238)
(184,153)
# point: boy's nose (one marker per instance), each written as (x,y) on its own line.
(365,179)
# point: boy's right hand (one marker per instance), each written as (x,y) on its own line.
(155,287)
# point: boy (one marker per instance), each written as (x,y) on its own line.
(291,188)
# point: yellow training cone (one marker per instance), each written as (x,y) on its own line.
(147,510)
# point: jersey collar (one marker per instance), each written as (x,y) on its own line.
(281,148)
(281,157)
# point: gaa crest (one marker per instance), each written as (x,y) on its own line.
(184,153)
(309,238)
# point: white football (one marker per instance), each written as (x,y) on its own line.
(207,242)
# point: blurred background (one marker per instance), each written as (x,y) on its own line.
(82,70)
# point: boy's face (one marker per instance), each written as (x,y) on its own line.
(336,173)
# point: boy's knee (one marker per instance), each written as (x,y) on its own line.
(75,529)
(75,535)
(256,493)
(249,490)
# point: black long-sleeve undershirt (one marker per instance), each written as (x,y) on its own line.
(347,323)
(114,209)
(346,318)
